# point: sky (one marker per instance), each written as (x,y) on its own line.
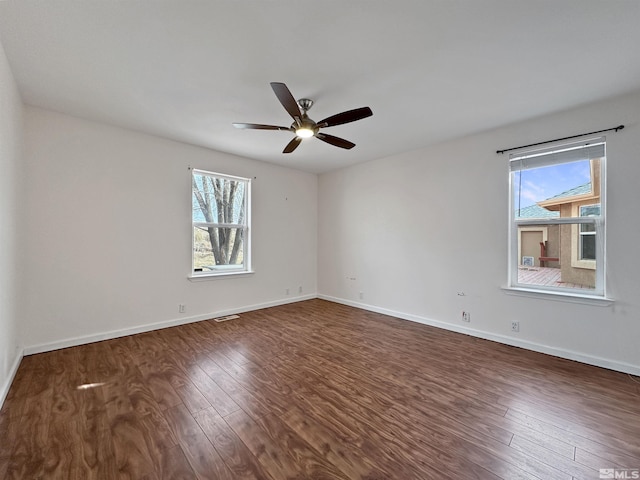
(545,182)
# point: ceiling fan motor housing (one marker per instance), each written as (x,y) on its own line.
(305,124)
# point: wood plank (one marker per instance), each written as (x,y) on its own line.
(175,465)
(310,462)
(235,454)
(135,455)
(98,454)
(268,453)
(351,461)
(202,456)
(158,384)
(215,396)
(390,446)
(191,397)
(597,462)
(255,406)
(562,463)
(616,453)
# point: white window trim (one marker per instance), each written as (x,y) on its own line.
(196,277)
(563,296)
(224,271)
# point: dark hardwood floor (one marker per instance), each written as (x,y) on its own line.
(314,390)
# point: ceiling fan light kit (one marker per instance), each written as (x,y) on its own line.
(305,132)
(303,126)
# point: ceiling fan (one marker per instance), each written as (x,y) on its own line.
(303,126)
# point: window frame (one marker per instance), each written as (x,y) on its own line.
(223,270)
(598,223)
(588,233)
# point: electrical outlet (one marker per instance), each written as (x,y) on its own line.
(466,316)
(182,308)
(515,326)
(361,295)
(286,291)
(300,289)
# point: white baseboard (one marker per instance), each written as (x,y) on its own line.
(72,342)
(557,352)
(4,389)
(536,347)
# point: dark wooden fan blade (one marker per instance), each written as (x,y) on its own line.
(286,99)
(258,126)
(292,145)
(346,117)
(338,142)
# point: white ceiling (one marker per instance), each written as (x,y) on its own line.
(429,69)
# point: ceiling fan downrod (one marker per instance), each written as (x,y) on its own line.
(305,104)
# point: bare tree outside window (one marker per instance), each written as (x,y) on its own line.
(220,226)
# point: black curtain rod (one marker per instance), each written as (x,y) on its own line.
(613,129)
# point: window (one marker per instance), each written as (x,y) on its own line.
(587,245)
(220,218)
(557,236)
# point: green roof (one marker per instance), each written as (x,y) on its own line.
(581,190)
(535,211)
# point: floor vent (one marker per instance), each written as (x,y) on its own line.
(228,317)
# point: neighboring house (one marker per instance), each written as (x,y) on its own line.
(573,245)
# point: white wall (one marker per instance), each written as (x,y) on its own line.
(415,229)
(10,151)
(107,232)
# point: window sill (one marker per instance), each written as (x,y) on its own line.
(559,296)
(215,275)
